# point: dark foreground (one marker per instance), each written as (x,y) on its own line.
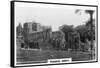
(43,55)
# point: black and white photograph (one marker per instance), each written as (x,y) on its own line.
(54,33)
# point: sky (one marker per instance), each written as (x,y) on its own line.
(50,15)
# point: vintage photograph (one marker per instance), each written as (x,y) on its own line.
(47,33)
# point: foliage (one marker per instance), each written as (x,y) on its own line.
(67,29)
(19,29)
(85,32)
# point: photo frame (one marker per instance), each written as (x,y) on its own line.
(44,33)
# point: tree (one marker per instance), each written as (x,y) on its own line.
(90,26)
(19,29)
(91,29)
(66,29)
(70,36)
(82,30)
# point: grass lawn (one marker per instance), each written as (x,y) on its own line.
(41,55)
